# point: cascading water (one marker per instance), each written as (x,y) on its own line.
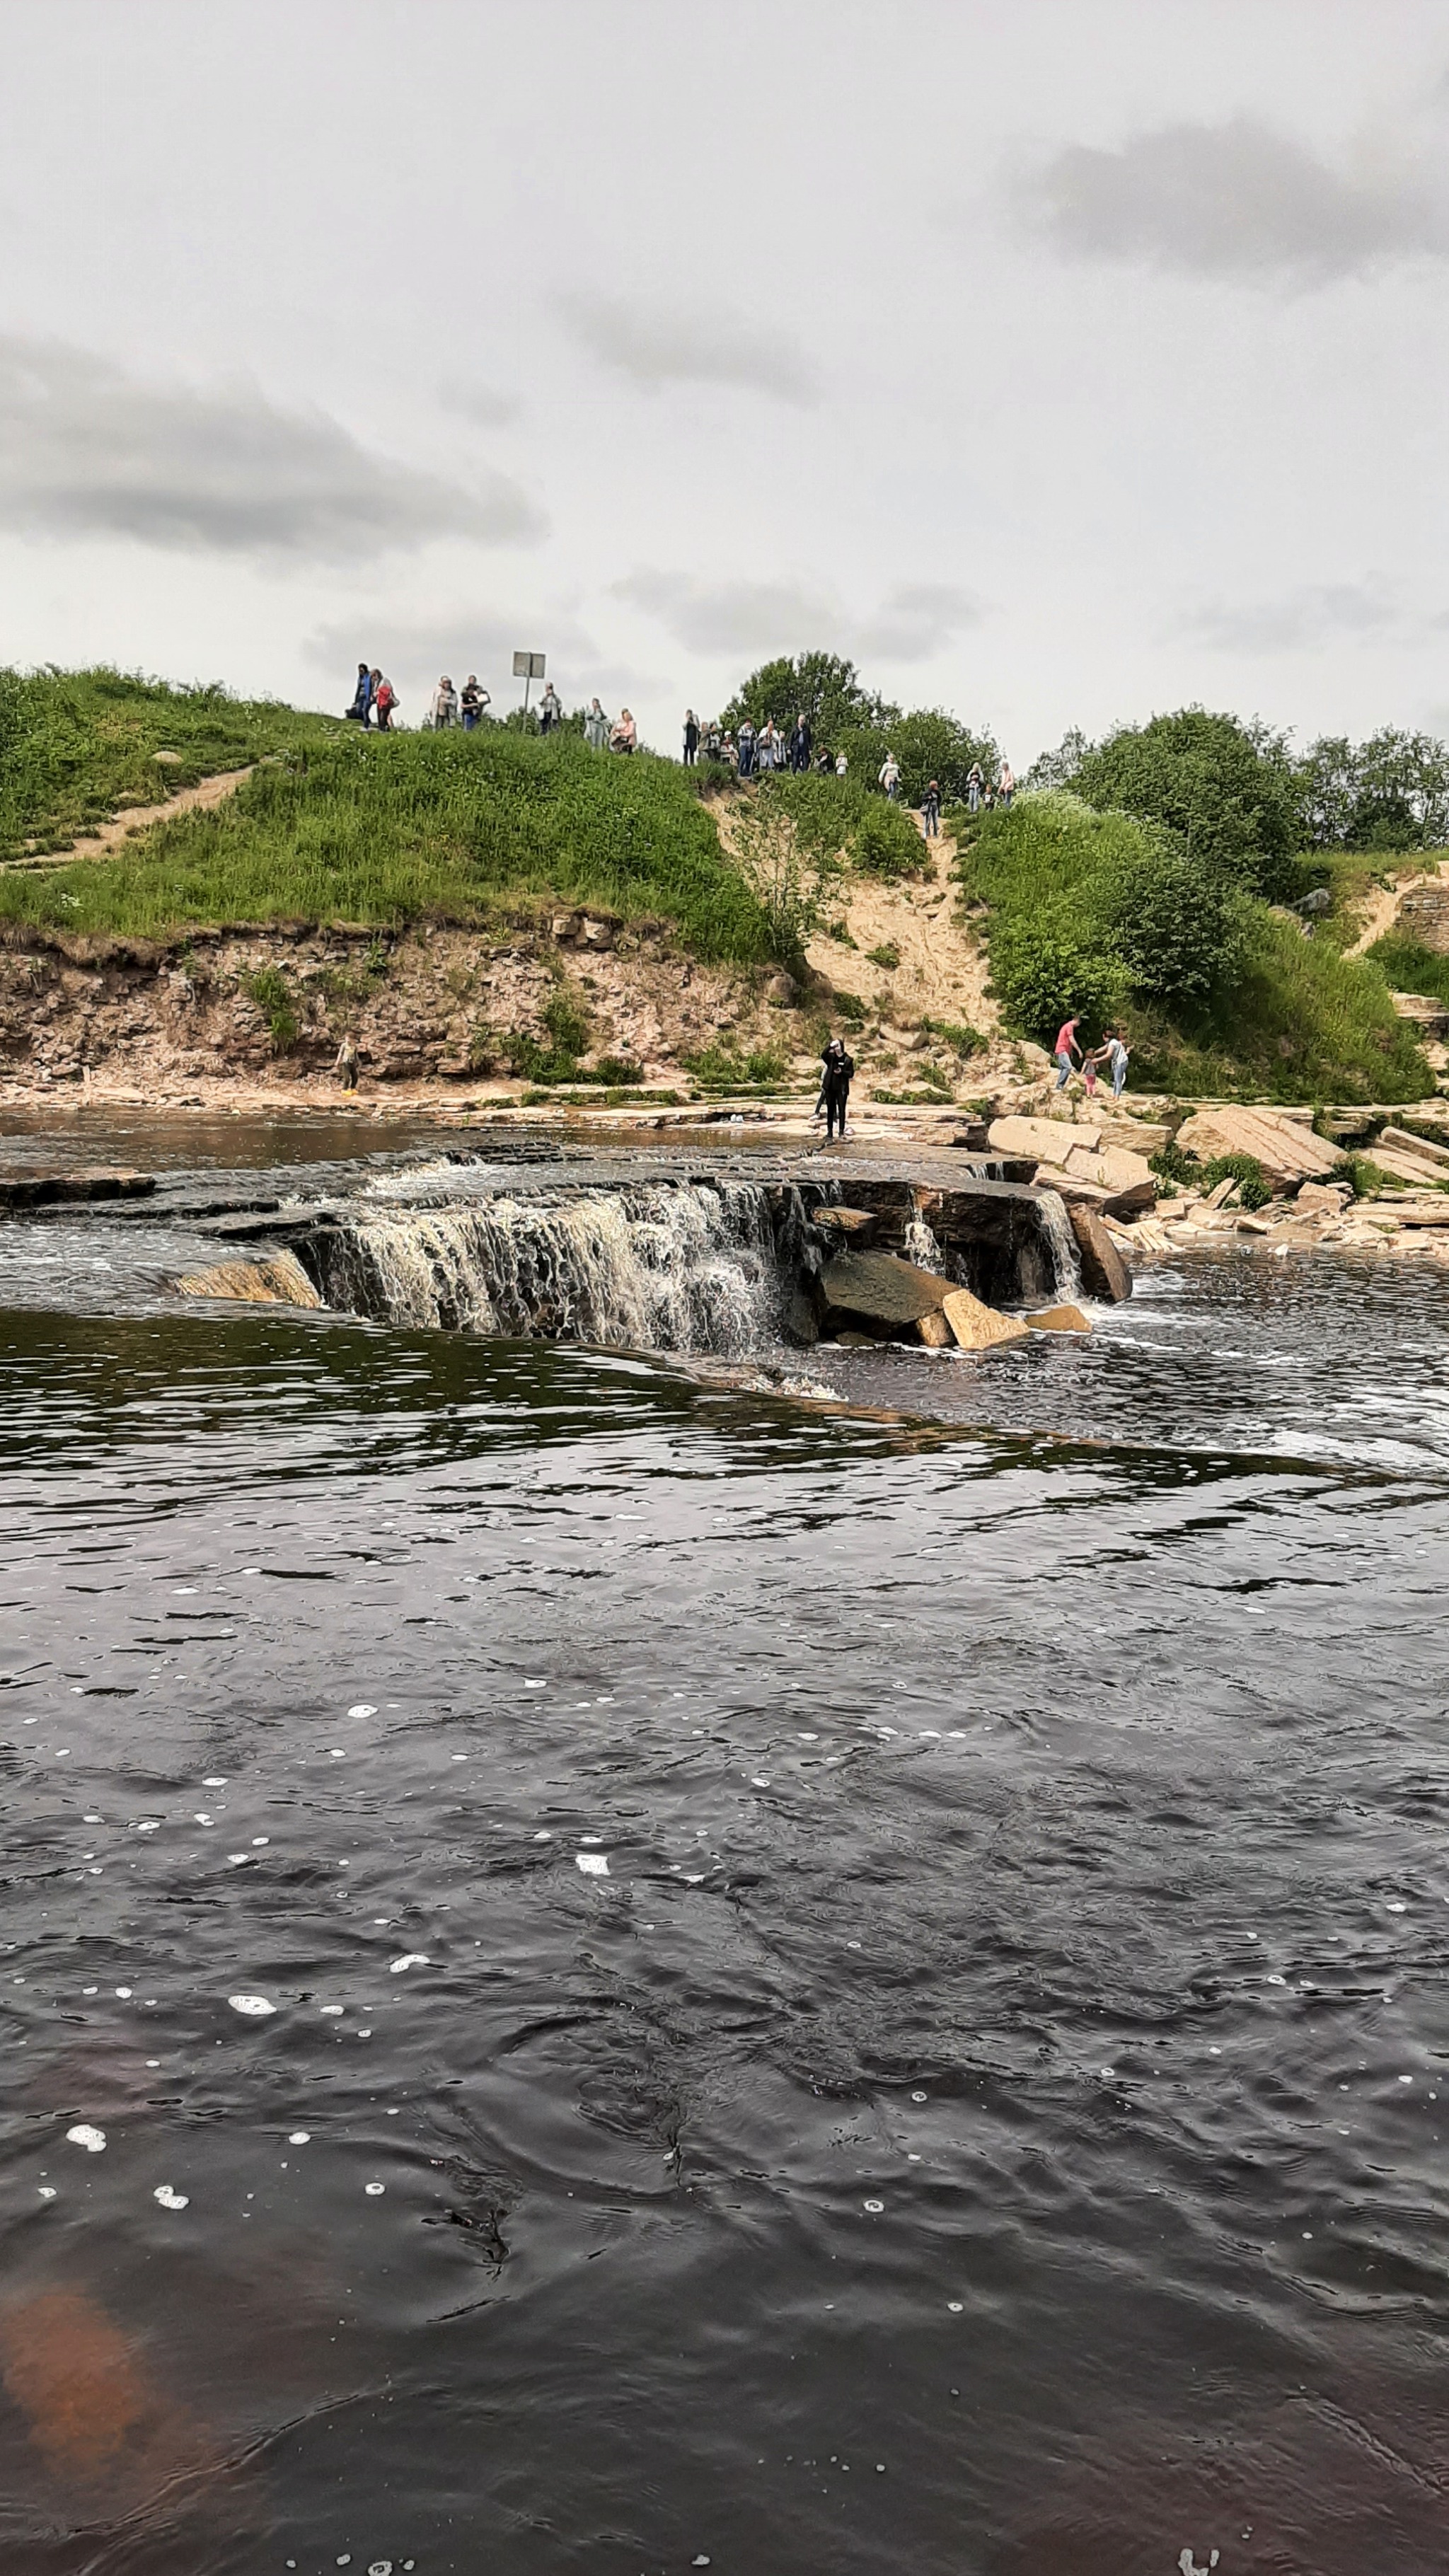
(652,1266)
(919,1245)
(1061,1246)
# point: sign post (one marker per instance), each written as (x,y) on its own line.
(528,667)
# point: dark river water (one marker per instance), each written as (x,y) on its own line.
(603,1973)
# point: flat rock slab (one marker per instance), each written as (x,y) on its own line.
(1049,1139)
(1407,1144)
(249,1229)
(59,1189)
(851,1225)
(1286,1147)
(1414,1167)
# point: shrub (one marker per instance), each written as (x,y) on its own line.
(1044,971)
(957,1034)
(1366,1176)
(1176,925)
(618,1071)
(1226,788)
(272,995)
(887,956)
(1411,968)
(789,872)
(886,842)
(719,1068)
(1254,1187)
(851,1009)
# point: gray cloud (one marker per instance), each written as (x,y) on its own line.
(915,619)
(657,347)
(912,621)
(480,403)
(1318,614)
(1236,200)
(88,450)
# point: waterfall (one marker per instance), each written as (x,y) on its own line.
(919,1245)
(1061,1246)
(652,1266)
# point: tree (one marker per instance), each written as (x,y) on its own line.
(1059,768)
(1227,788)
(1176,922)
(788,871)
(929,744)
(827,690)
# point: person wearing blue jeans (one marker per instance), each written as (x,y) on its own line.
(1066,1047)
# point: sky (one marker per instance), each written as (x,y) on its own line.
(1059,364)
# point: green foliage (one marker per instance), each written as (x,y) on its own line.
(1282,1014)
(396,828)
(718,1068)
(273,997)
(1389,793)
(1254,1187)
(1177,926)
(76,745)
(851,1009)
(825,689)
(1226,788)
(835,815)
(1411,968)
(887,956)
(788,875)
(567,1022)
(887,843)
(929,744)
(957,1034)
(1367,1177)
(1178,1170)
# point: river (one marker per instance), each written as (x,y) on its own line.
(615,1973)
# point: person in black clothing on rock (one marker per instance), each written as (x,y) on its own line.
(836,1069)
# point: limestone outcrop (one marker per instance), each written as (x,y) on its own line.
(1286,1147)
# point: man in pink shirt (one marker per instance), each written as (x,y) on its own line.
(1066,1048)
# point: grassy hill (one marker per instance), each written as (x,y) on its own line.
(1098,912)
(342,825)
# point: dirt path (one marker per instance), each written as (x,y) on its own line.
(1383,908)
(942,973)
(102,838)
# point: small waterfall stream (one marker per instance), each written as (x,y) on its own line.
(1061,1244)
(652,1266)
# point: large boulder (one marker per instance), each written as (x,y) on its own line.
(850,1226)
(877,1291)
(1104,1272)
(1286,1147)
(977,1327)
(1058,1319)
(1128,1179)
(277,1280)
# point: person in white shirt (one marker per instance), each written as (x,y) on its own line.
(445,704)
(890,774)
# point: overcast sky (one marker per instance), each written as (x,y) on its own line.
(1059,363)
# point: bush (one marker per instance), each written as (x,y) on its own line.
(1366,1176)
(719,1068)
(886,842)
(1044,972)
(1411,968)
(887,956)
(957,1034)
(1176,925)
(1254,1187)
(272,995)
(1227,789)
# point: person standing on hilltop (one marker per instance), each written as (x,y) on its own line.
(745,745)
(473,702)
(361,706)
(800,741)
(1066,1047)
(931,811)
(974,784)
(1005,785)
(384,698)
(444,709)
(767,744)
(889,776)
(550,710)
(625,735)
(691,737)
(836,1070)
(596,727)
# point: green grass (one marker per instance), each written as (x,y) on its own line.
(408,827)
(76,745)
(1409,967)
(1287,1017)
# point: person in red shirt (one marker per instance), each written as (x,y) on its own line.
(1066,1048)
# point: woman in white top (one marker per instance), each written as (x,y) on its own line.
(445,704)
(1006,784)
(596,727)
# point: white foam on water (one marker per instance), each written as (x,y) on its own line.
(374,2190)
(409,1959)
(254,2007)
(170,2199)
(593,1864)
(83,2135)
(46,2190)
(214,1781)
(299,2137)
(363,1708)
(333,2010)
